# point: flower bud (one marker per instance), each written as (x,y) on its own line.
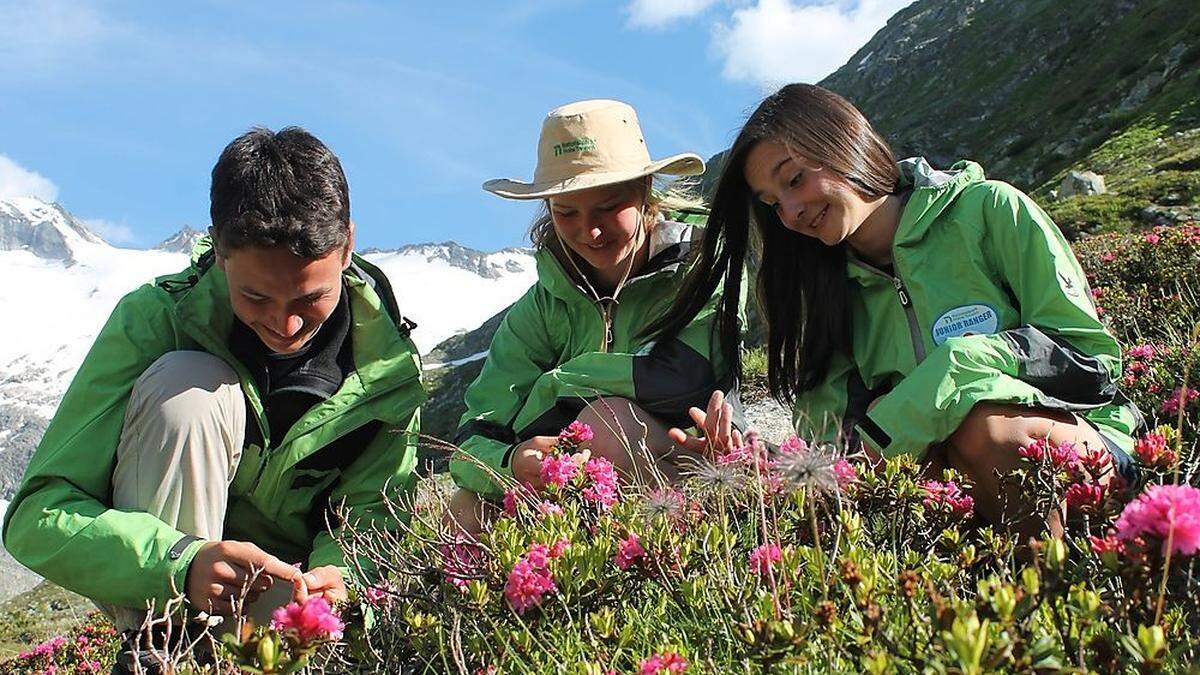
(1151,640)
(268,651)
(1056,554)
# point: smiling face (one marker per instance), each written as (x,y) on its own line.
(283,298)
(601,225)
(807,198)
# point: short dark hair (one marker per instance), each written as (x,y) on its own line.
(280,189)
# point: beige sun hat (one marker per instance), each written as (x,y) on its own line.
(589,144)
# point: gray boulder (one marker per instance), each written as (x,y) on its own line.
(1081,183)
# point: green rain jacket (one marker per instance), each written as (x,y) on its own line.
(987,303)
(60,523)
(558,348)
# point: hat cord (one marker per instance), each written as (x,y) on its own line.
(641,225)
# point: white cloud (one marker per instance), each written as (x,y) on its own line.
(38,31)
(113,233)
(17,181)
(658,13)
(775,42)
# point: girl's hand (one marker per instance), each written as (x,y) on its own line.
(716,424)
(527,460)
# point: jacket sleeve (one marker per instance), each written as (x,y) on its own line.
(521,350)
(385,469)
(1060,357)
(829,412)
(59,523)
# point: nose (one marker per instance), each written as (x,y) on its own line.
(790,210)
(290,325)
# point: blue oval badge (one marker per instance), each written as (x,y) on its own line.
(965,320)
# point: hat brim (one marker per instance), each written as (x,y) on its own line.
(684,164)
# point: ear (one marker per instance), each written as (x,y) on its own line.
(349,249)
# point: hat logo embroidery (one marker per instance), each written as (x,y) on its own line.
(578,145)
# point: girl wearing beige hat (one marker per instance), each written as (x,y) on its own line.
(611,253)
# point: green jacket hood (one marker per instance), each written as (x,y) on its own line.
(933,191)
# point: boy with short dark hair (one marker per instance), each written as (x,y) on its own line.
(226,414)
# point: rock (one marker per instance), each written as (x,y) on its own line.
(1082,183)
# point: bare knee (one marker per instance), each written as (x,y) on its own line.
(993,430)
(467,513)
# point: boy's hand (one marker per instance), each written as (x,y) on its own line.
(323,581)
(527,460)
(221,571)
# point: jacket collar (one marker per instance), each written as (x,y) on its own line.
(670,243)
(381,346)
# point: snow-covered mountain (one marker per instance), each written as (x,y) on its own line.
(59,282)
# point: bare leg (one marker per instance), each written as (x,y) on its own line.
(986,444)
(468,513)
(635,441)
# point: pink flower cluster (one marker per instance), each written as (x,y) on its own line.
(530,579)
(845,472)
(312,621)
(1179,399)
(948,497)
(629,551)
(1060,455)
(576,433)
(1086,497)
(603,488)
(1144,352)
(764,557)
(1153,451)
(462,561)
(380,595)
(559,469)
(663,664)
(1169,513)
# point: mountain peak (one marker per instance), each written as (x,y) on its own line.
(182,241)
(45,229)
(487,265)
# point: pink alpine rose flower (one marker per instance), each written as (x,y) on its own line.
(1085,497)
(1146,352)
(1170,513)
(576,432)
(530,580)
(764,557)
(1153,451)
(1179,399)
(629,551)
(948,497)
(603,477)
(845,472)
(313,621)
(559,470)
(510,503)
(663,664)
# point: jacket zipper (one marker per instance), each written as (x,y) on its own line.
(268,452)
(606,315)
(910,312)
(914,327)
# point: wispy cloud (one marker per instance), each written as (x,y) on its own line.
(35,34)
(17,181)
(113,233)
(659,13)
(777,41)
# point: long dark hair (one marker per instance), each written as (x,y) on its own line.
(802,283)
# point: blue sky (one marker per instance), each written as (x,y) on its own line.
(118,109)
